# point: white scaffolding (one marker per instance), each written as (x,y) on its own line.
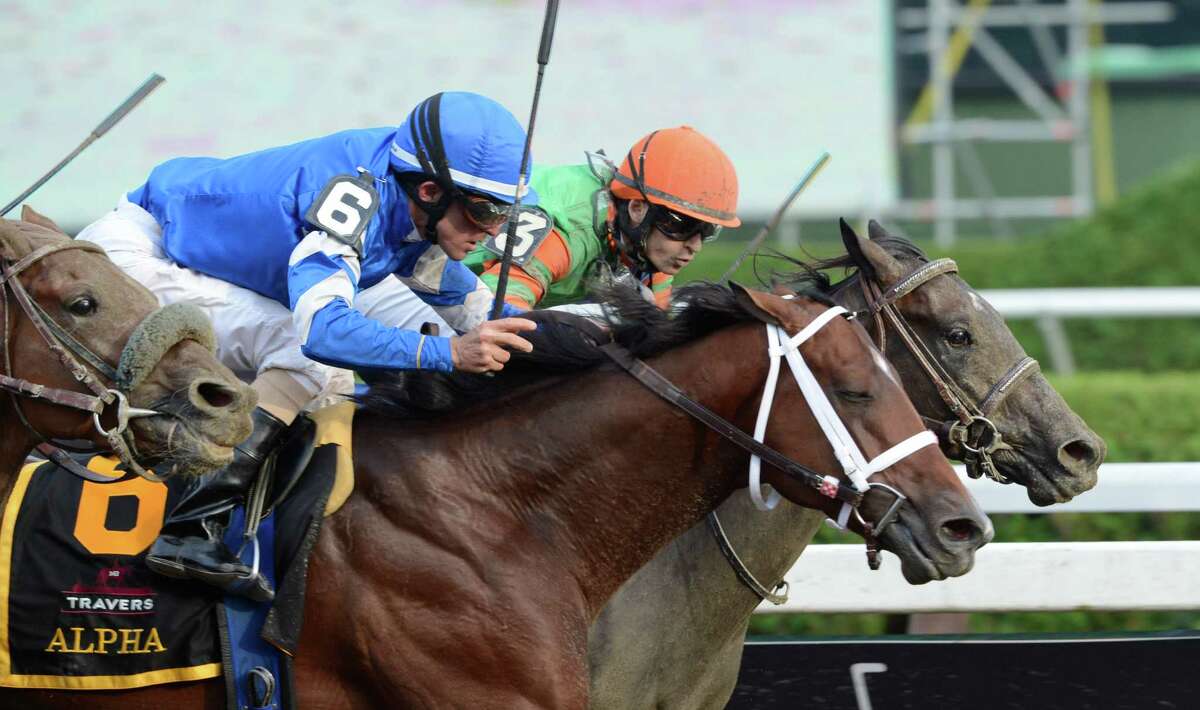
(1065,119)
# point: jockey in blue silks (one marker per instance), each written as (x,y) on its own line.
(275,245)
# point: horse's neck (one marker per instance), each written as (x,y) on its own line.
(642,472)
(15,445)
(768,542)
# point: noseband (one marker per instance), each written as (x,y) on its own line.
(78,358)
(972,436)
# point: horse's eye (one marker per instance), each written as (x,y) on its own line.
(83,306)
(958,338)
(854,396)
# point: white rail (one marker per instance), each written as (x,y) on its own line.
(1139,302)
(1048,576)
(1123,488)
(1049,305)
(1014,576)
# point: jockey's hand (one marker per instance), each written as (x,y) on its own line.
(486,347)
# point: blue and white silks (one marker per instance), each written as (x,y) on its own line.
(242,220)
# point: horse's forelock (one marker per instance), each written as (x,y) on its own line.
(19,238)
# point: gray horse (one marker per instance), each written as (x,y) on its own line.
(672,636)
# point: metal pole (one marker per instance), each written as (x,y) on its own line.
(943,115)
(134,99)
(514,214)
(1078,105)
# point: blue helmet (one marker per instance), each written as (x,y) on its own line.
(465,142)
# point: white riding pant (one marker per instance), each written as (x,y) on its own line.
(254,333)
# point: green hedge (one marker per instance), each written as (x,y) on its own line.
(1143,417)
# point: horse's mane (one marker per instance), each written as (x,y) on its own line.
(563,344)
(811,275)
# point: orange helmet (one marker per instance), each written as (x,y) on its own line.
(683,171)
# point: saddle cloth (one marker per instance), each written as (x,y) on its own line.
(78,608)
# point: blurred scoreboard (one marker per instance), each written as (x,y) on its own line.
(774,82)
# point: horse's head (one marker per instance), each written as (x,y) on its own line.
(203,409)
(938,527)
(1044,446)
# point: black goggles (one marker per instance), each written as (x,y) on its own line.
(680,228)
(485,213)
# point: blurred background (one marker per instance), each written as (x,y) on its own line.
(1045,144)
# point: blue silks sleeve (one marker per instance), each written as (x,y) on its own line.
(322,282)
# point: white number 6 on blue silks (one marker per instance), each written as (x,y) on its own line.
(532,229)
(345,208)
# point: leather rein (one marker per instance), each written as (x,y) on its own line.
(70,352)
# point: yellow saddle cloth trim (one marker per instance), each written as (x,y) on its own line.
(335,425)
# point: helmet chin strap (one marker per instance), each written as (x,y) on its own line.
(434,212)
(426,130)
(637,234)
(632,237)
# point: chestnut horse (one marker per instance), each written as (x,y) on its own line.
(68,316)
(643,652)
(494,516)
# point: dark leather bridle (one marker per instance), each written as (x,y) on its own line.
(80,362)
(971,435)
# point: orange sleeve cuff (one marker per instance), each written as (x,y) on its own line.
(516,275)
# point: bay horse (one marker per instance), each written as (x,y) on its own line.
(494,516)
(643,651)
(85,346)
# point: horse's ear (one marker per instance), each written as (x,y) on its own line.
(875,230)
(853,244)
(756,303)
(29,214)
(875,262)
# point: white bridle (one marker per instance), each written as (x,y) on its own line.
(854,464)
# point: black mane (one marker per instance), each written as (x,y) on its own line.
(810,275)
(562,344)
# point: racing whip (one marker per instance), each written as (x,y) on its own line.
(514,214)
(777,217)
(113,118)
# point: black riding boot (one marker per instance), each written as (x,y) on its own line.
(189,545)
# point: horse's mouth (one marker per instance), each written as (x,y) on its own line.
(923,556)
(1042,487)
(917,565)
(174,447)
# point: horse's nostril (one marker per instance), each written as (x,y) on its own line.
(960,530)
(216,395)
(1078,451)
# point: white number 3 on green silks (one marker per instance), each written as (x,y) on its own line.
(532,229)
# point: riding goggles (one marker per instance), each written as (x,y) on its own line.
(680,228)
(485,213)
